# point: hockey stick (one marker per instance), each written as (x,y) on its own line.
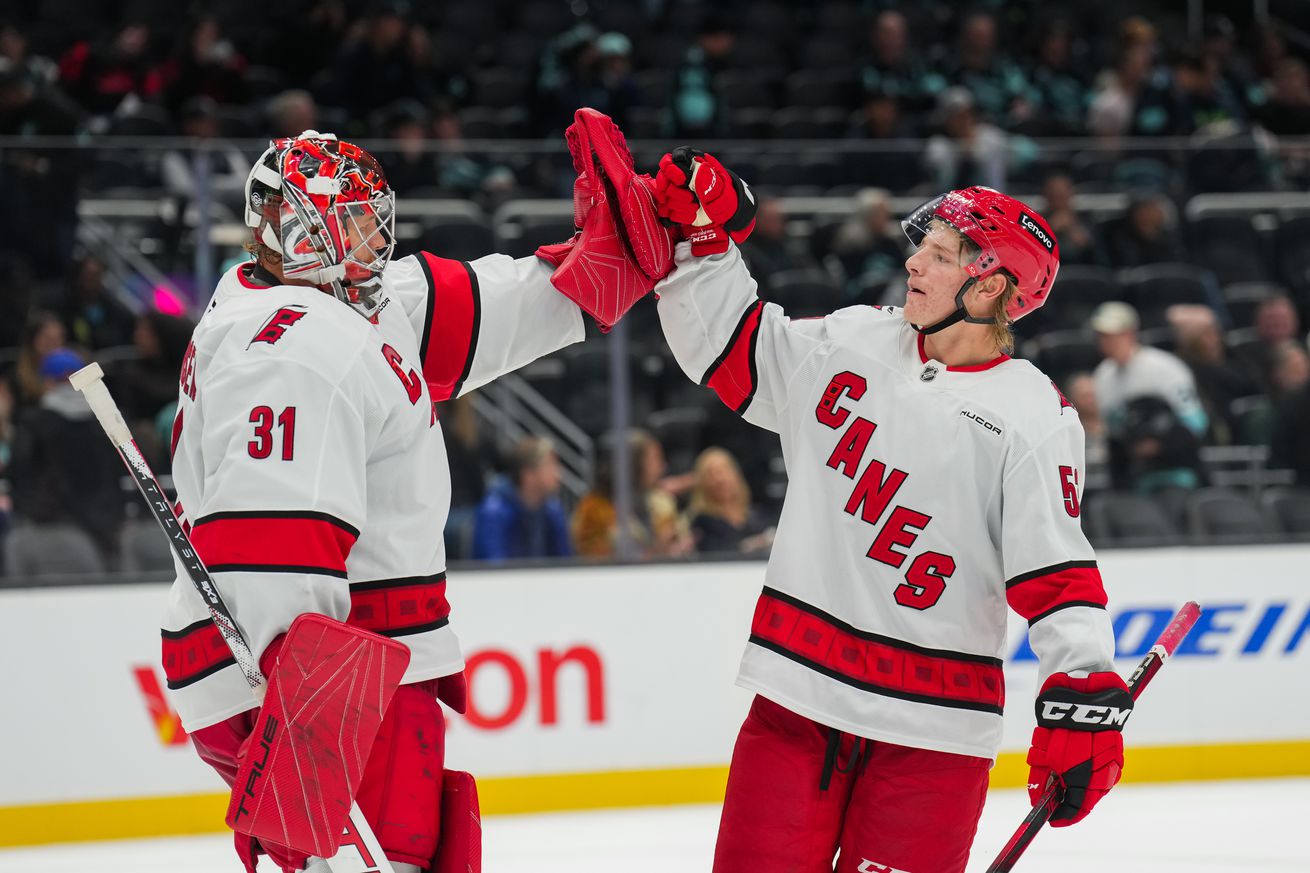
(1160,652)
(90,382)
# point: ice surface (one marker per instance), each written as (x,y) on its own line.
(1235,827)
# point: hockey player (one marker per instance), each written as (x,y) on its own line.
(932,480)
(309,463)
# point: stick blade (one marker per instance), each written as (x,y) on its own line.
(326,698)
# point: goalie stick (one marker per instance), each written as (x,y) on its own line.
(1160,652)
(367,855)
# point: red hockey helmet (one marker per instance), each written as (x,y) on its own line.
(1010,237)
(337,217)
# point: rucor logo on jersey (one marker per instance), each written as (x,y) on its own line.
(277,324)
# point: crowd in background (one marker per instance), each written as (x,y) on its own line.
(972,88)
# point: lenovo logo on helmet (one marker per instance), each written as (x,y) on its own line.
(1027,223)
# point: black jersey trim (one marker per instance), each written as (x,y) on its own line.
(427,316)
(871,688)
(276,568)
(752,344)
(402,582)
(414,629)
(1054,609)
(208,671)
(944,654)
(475,293)
(1050,571)
(280,513)
(186,631)
(731,343)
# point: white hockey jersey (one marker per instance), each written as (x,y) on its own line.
(920,499)
(309,463)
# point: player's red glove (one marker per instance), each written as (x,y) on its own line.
(707,200)
(1078,739)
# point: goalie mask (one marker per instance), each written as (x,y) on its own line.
(325,208)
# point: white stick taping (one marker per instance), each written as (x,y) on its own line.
(90,381)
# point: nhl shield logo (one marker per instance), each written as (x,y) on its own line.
(929,373)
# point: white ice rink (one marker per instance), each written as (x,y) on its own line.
(1233,827)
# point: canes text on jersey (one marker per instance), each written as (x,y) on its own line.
(875,487)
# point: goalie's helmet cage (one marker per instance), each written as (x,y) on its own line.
(1010,237)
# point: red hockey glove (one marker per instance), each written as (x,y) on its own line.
(1078,739)
(622,249)
(710,202)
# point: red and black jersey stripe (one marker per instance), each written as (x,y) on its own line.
(733,375)
(1042,592)
(194,652)
(450,327)
(875,663)
(400,607)
(274,542)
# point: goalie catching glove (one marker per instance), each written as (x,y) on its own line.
(1078,740)
(621,248)
(709,202)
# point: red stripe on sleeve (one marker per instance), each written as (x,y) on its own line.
(396,607)
(193,653)
(733,376)
(1037,593)
(308,541)
(450,336)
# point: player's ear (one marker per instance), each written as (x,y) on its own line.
(990,289)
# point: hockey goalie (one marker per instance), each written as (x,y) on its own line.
(309,463)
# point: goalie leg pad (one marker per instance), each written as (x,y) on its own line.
(460,847)
(400,794)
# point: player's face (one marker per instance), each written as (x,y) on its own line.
(936,274)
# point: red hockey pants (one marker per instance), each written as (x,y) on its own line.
(887,808)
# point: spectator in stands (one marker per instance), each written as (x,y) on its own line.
(291,112)
(868,247)
(1077,244)
(375,65)
(1290,369)
(319,26)
(656,528)
(94,317)
(64,472)
(1200,343)
(696,109)
(207,64)
(1289,448)
(894,69)
(228,167)
(1059,88)
(965,151)
(44,335)
(147,390)
(1082,394)
(770,249)
(16,49)
(1131,370)
(472,461)
(999,88)
(1192,98)
(1114,100)
(411,165)
(585,68)
(101,75)
(1285,109)
(1151,450)
(38,182)
(521,516)
(898,164)
(459,170)
(1276,323)
(722,518)
(1146,235)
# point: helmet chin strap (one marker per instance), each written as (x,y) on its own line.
(960,313)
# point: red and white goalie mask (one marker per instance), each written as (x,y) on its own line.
(336,218)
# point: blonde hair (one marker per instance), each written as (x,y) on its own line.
(737,507)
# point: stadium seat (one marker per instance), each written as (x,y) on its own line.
(742,89)
(1291,506)
(1061,353)
(1122,519)
(821,88)
(1230,246)
(822,52)
(1292,252)
(1153,288)
(145,548)
(1227,516)
(1244,298)
(680,431)
(500,87)
(530,231)
(460,238)
(50,550)
(804,293)
(1079,289)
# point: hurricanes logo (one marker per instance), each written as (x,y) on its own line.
(277,325)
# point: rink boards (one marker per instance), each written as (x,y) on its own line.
(613,686)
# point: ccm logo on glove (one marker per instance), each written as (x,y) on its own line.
(1102,710)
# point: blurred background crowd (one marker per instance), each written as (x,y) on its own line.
(1168,144)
